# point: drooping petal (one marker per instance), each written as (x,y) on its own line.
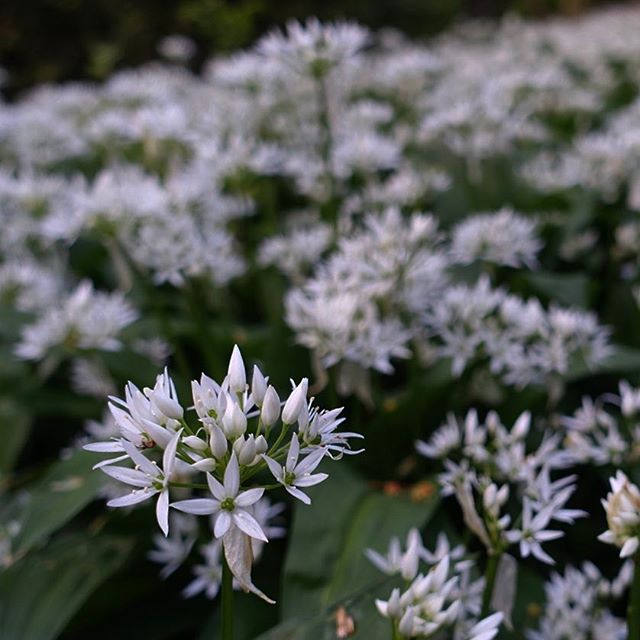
(237,551)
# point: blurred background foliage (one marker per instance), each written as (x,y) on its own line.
(57,40)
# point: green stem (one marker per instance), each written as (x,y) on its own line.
(227,600)
(489,582)
(633,610)
(395,632)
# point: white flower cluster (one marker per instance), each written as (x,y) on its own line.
(523,342)
(607,430)
(506,492)
(85,319)
(442,598)
(241,431)
(351,309)
(504,238)
(576,605)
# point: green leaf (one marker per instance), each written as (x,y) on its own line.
(622,360)
(40,594)
(15,426)
(326,563)
(567,288)
(63,491)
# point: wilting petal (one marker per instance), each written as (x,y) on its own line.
(237,551)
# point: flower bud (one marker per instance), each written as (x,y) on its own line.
(234,422)
(217,442)
(206,464)
(245,449)
(261,445)
(195,443)
(258,386)
(295,403)
(270,407)
(236,373)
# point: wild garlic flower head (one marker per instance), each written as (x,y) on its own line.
(504,238)
(577,604)
(227,440)
(622,507)
(504,488)
(605,430)
(314,48)
(85,319)
(439,594)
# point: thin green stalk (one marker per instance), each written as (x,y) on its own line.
(396,635)
(633,610)
(227,601)
(489,582)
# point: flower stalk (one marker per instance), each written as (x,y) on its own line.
(633,610)
(489,582)
(227,601)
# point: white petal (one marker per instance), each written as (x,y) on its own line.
(223,522)
(232,476)
(247,523)
(310,481)
(275,468)
(162,512)
(197,506)
(146,465)
(131,498)
(216,488)
(247,498)
(169,456)
(296,493)
(129,476)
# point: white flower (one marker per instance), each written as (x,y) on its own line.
(237,375)
(149,479)
(533,532)
(296,474)
(296,402)
(270,410)
(622,507)
(228,502)
(486,629)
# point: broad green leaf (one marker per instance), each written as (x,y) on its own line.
(570,289)
(622,360)
(326,563)
(15,426)
(40,594)
(63,491)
